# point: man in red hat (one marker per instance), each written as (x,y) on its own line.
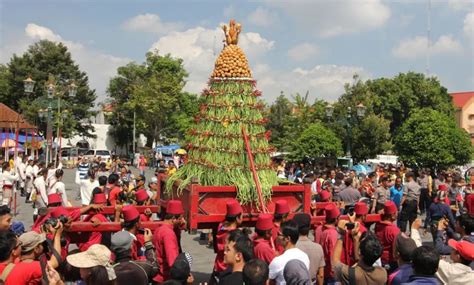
(459,271)
(165,241)
(263,248)
(386,231)
(361,210)
(232,221)
(281,214)
(96,219)
(131,224)
(328,239)
(54,200)
(142,198)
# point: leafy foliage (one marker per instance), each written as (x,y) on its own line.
(153,90)
(42,59)
(315,141)
(430,138)
(370,137)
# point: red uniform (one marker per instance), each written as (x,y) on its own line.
(348,248)
(137,246)
(166,244)
(328,242)
(318,231)
(279,248)
(23,273)
(220,239)
(94,237)
(263,250)
(113,195)
(386,233)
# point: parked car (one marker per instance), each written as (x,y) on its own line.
(102,153)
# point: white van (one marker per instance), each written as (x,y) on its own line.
(103,153)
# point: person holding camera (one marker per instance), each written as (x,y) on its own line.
(368,249)
(386,231)
(32,263)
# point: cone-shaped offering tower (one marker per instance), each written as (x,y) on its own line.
(217,150)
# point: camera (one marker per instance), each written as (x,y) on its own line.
(350,211)
(350,226)
(54,222)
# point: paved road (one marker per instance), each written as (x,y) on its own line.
(203,257)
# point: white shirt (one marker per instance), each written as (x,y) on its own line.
(86,186)
(29,171)
(35,170)
(60,189)
(40,185)
(8,178)
(278,264)
(22,171)
(455,273)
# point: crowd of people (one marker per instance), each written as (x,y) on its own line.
(282,248)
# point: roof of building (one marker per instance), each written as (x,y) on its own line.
(461,98)
(10,119)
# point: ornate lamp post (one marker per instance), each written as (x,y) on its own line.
(349,122)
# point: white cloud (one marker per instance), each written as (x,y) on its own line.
(261,17)
(418,46)
(469,25)
(199,48)
(99,66)
(303,51)
(461,4)
(333,18)
(322,81)
(150,23)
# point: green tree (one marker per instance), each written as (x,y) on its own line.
(370,138)
(278,115)
(153,90)
(431,139)
(315,141)
(4,84)
(42,59)
(395,98)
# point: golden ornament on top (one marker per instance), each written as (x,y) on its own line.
(232,62)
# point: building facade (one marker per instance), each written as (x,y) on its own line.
(464,104)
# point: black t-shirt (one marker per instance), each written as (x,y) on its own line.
(235,278)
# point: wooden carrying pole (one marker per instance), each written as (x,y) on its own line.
(254,171)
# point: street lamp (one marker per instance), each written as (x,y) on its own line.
(349,122)
(29,85)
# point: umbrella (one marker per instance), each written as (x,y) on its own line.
(359,168)
(19,149)
(181,151)
(8,143)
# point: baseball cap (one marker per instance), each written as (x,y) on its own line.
(96,254)
(18,228)
(465,248)
(153,180)
(122,239)
(30,240)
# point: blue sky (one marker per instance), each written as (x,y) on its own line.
(293,46)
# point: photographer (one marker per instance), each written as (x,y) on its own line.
(368,249)
(32,266)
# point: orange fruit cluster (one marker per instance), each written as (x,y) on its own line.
(232,62)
